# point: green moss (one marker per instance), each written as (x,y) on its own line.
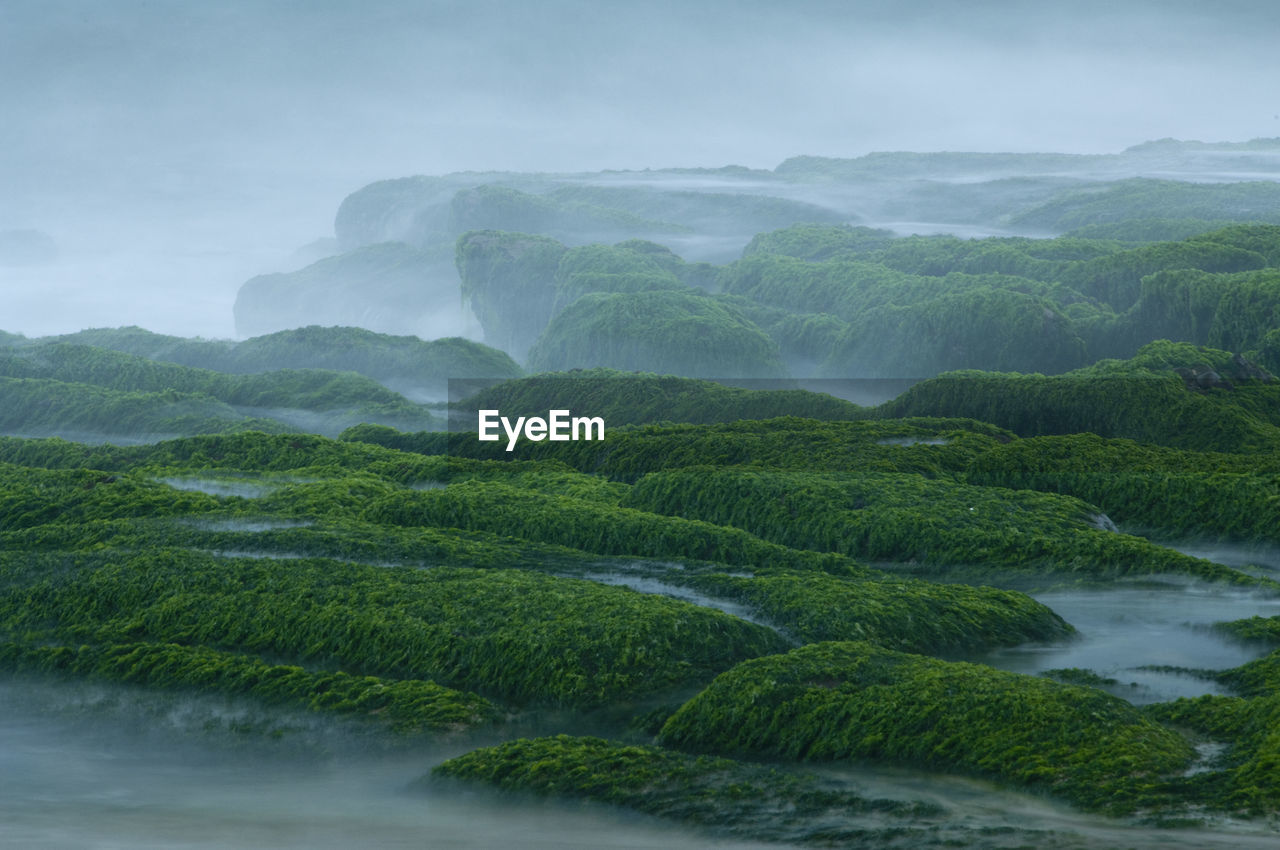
(1142,198)
(509,279)
(398,360)
(493,207)
(902,614)
(392,285)
(971,327)
(1116,278)
(1170,492)
(1147,229)
(339,396)
(1077,676)
(41,406)
(656,331)
(30,497)
(1244,778)
(818,242)
(519,636)
(590,525)
(735,798)
(1263,629)
(625,398)
(1260,677)
(1148,408)
(853,700)
(704,211)
(931,447)
(910,518)
(408,706)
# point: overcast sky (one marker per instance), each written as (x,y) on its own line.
(380,88)
(111,108)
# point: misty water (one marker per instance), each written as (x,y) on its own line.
(105,767)
(645,584)
(244,488)
(1122,628)
(249,525)
(1257,559)
(86,768)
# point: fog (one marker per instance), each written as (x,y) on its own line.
(96,767)
(93,766)
(173,150)
(1123,630)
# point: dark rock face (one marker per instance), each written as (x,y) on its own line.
(1239,370)
(1246,370)
(509,282)
(1207,379)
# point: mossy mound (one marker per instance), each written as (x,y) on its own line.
(1262,629)
(321,400)
(1150,408)
(931,447)
(380,356)
(669,332)
(901,614)
(408,706)
(1164,491)
(518,636)
(40,407)
(853,700)
(392,287)
(1244,779)
(912,518)
(734,798)
(590,525)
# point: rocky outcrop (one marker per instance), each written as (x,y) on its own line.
(389,288)
(1239,370)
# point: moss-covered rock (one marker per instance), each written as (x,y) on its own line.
(407,706)
(853,700)
(391,287)
(519,636)
(656,331)
(734,798)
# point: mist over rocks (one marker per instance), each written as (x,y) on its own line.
(499,253)
(389,287)
(577,209)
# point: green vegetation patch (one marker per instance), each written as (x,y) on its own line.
(854,700)
(519,636)
(590,525)
(1263,629)
(1148,408)
(739,799)
(1140,198)
(656,331)
(1244,778)
(628,398)
(931,447)
(384,357)
(343,397)
(41,406)
(1170,492)
(911,518)
(901,614)
(408,706)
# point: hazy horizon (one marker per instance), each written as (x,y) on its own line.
(173,150)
